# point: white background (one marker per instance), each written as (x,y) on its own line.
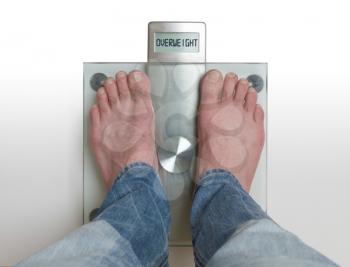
(43,45)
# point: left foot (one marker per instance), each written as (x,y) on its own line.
(122,124)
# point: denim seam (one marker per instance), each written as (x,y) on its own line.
(153,200)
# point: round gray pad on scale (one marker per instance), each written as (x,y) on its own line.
(256,82)
(97,80)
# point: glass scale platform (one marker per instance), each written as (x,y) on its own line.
(175,94)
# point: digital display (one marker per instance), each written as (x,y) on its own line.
(176,42)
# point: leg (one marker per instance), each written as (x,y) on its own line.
(229,228)
(133,222)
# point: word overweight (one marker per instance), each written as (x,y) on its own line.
(176,42)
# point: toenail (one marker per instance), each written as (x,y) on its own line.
(101,91)
(136,76)
(214,76)
(231,75)
(251,90)
(244,81)
(121,75)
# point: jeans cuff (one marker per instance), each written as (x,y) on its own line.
(137,164)
(217,176)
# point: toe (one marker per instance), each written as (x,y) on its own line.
(111,90)
(95,122)
(211,87)
(250,100)
(122,82)
(102,102)
(139,84)
(241,91)
(140,92)
(259,114)
(229,85)
(94,116)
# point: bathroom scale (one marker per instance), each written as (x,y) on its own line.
(176,63)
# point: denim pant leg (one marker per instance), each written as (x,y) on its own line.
(230,229)
(131,227)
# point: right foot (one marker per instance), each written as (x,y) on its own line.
(122,124)
(230,127)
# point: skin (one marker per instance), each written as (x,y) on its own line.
(230,126)
(122,124)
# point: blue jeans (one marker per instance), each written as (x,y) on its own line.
(132,227)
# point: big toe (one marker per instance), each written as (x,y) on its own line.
(139,84)
(211,87)
(140,91)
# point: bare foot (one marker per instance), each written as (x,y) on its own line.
(230,127)
(122,124)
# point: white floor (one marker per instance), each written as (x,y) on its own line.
(43,45)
